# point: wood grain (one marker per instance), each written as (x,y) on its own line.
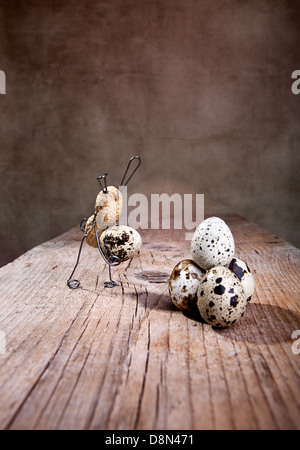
(125,358)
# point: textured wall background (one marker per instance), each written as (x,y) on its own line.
(200,89)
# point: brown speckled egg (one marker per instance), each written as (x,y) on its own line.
(108,207)
(212,244)
(121,241)
(242,271)
(221,298)
(183,284)
(90,232)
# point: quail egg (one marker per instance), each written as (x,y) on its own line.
(221,297)
(212,244)
(90,232)
(242,271)
(121,241)
(108,207)
(183,284)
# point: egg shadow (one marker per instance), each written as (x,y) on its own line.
(152,300)
(194,315)
(263,324)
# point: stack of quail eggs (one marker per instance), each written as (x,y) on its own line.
(215,281)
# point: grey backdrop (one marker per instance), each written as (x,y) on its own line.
(200,89)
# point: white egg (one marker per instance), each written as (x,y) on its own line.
(121,241)
(212,244)
(183,284)
(221,298)
(242,271)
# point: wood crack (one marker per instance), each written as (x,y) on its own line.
(144,380)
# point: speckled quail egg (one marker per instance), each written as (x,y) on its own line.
(90,232)
(212,244)
(121,241)
(183,284)
(242,271)
(221,298)
(108,207)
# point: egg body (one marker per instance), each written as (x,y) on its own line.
(212,244)
(108,207)
(221,298)
(121,241)
(90,232)
(183,284)
(242,271)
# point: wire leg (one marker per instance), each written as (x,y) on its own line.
(113,261)
(111,283)
(72,283)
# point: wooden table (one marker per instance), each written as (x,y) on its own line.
(125,358)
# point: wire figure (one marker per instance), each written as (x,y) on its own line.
(111,261)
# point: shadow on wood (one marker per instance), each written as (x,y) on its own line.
(263,324)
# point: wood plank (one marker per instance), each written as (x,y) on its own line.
(95,358)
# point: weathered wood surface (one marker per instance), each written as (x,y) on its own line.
(96,358)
